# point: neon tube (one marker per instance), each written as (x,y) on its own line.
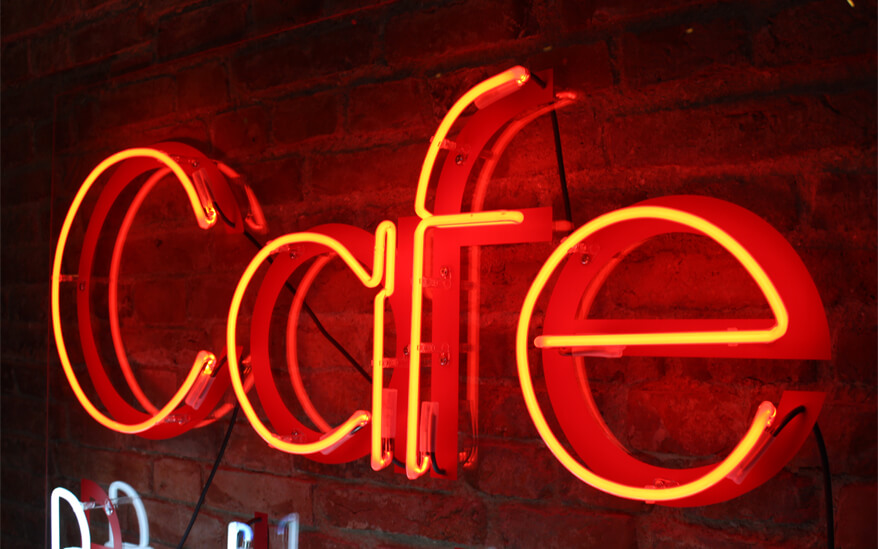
(668,338)
(57,495)
(292,343)
(385,257)
(140,512)
(113,288)
(507,82)
(205,217)
(415,467)
(765,413)
(380,457)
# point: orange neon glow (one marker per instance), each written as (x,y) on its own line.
(505,82)
(383,268)
(205,216)
(381,457)
(292,337)
(668,338)
(749,443)
(414,466)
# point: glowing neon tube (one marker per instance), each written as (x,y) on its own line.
(292,336)
(414,466)
(506,82)
(668,338)
(205,216)
(57,495)
(113,288)
(385,256)
(380,457)
(764,415)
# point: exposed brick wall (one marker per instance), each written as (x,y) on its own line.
(326,108)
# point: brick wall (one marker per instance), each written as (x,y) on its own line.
(326,108)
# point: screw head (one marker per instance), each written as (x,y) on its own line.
(585,259)
(459,159)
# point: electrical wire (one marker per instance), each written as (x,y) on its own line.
(789,417)
(827,476)
(827,488)
(562,173)
(335,343)
(207,484)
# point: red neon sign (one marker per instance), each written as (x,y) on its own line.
(398,261)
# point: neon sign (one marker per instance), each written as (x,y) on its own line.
(418,259)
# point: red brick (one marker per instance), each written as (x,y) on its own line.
(380,169)
(667,529)
(209,296)
(236,133)
(786,498)
(30,380)
(454,518)
(24,341)
(850,434)
(686,417)
(248,451)
(739,132)
(582,68)
(106,37)
(515,471)
(177,479)
(521,525)
(276,181)
(259,492)
(15,60)
(301,118)
(854,354)
(23,527)
(166,252)
(844,205)
(278,13)
(304,54)
(502,412)
(160,302)
(201,87)
(578,15)
(22,452)
(18,146)
(137,102)
(677,51)
(855,517)
(200,29)
(388,106)
(26,488)
(166,348)
(168,521)
(812,31)
(104,466)
(22,17)
(319,540)
(438,33)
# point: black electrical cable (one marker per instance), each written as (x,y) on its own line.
(827,488)
(316,321)
(207,484)
(789,417)
(562,173)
